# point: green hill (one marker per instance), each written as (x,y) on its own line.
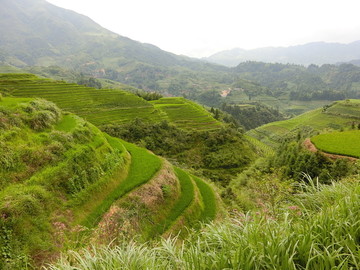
(339,115)
(37,33)
(62,178)
(108,106)
(186,114)
(129,117)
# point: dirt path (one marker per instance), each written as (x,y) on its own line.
(312,148)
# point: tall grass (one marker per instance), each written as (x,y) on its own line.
(305,237)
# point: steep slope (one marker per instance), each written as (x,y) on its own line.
(171,127)
(56,33)
(51,164)
(108,106)
(311,53)
(61,178)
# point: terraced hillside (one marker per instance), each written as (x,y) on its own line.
(96,106)
(186,114)
(345,143)
(339,115)
(62,180)
(108,106)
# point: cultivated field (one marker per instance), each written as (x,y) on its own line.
(345,143)
(69,174)
(108,106)
(186,114)
(339,115)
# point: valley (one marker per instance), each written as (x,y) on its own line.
(116,154)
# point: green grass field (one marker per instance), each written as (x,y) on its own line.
(67,123)
(345,143)
(339,115)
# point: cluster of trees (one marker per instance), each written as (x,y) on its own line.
(253,115)
(148,95)
(218,154)
(295,160)
(271,180)
(329,82)
(89,82)
(318,95)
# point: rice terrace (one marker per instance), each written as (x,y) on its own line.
(118,154)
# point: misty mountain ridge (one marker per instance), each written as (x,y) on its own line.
(311,53)
(35,32)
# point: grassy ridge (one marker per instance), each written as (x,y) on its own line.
(143,167)
(208,198)
(186,197)
(345,143)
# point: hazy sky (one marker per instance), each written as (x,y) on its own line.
(202,27)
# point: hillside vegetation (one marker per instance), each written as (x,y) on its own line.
(63,180)
(317,229)
(186,114)
(336,116)
(172,127)
(108,106)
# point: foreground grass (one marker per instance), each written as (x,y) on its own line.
(321,230)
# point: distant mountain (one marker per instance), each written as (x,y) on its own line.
(312,53)
(35,32)
(355,62)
